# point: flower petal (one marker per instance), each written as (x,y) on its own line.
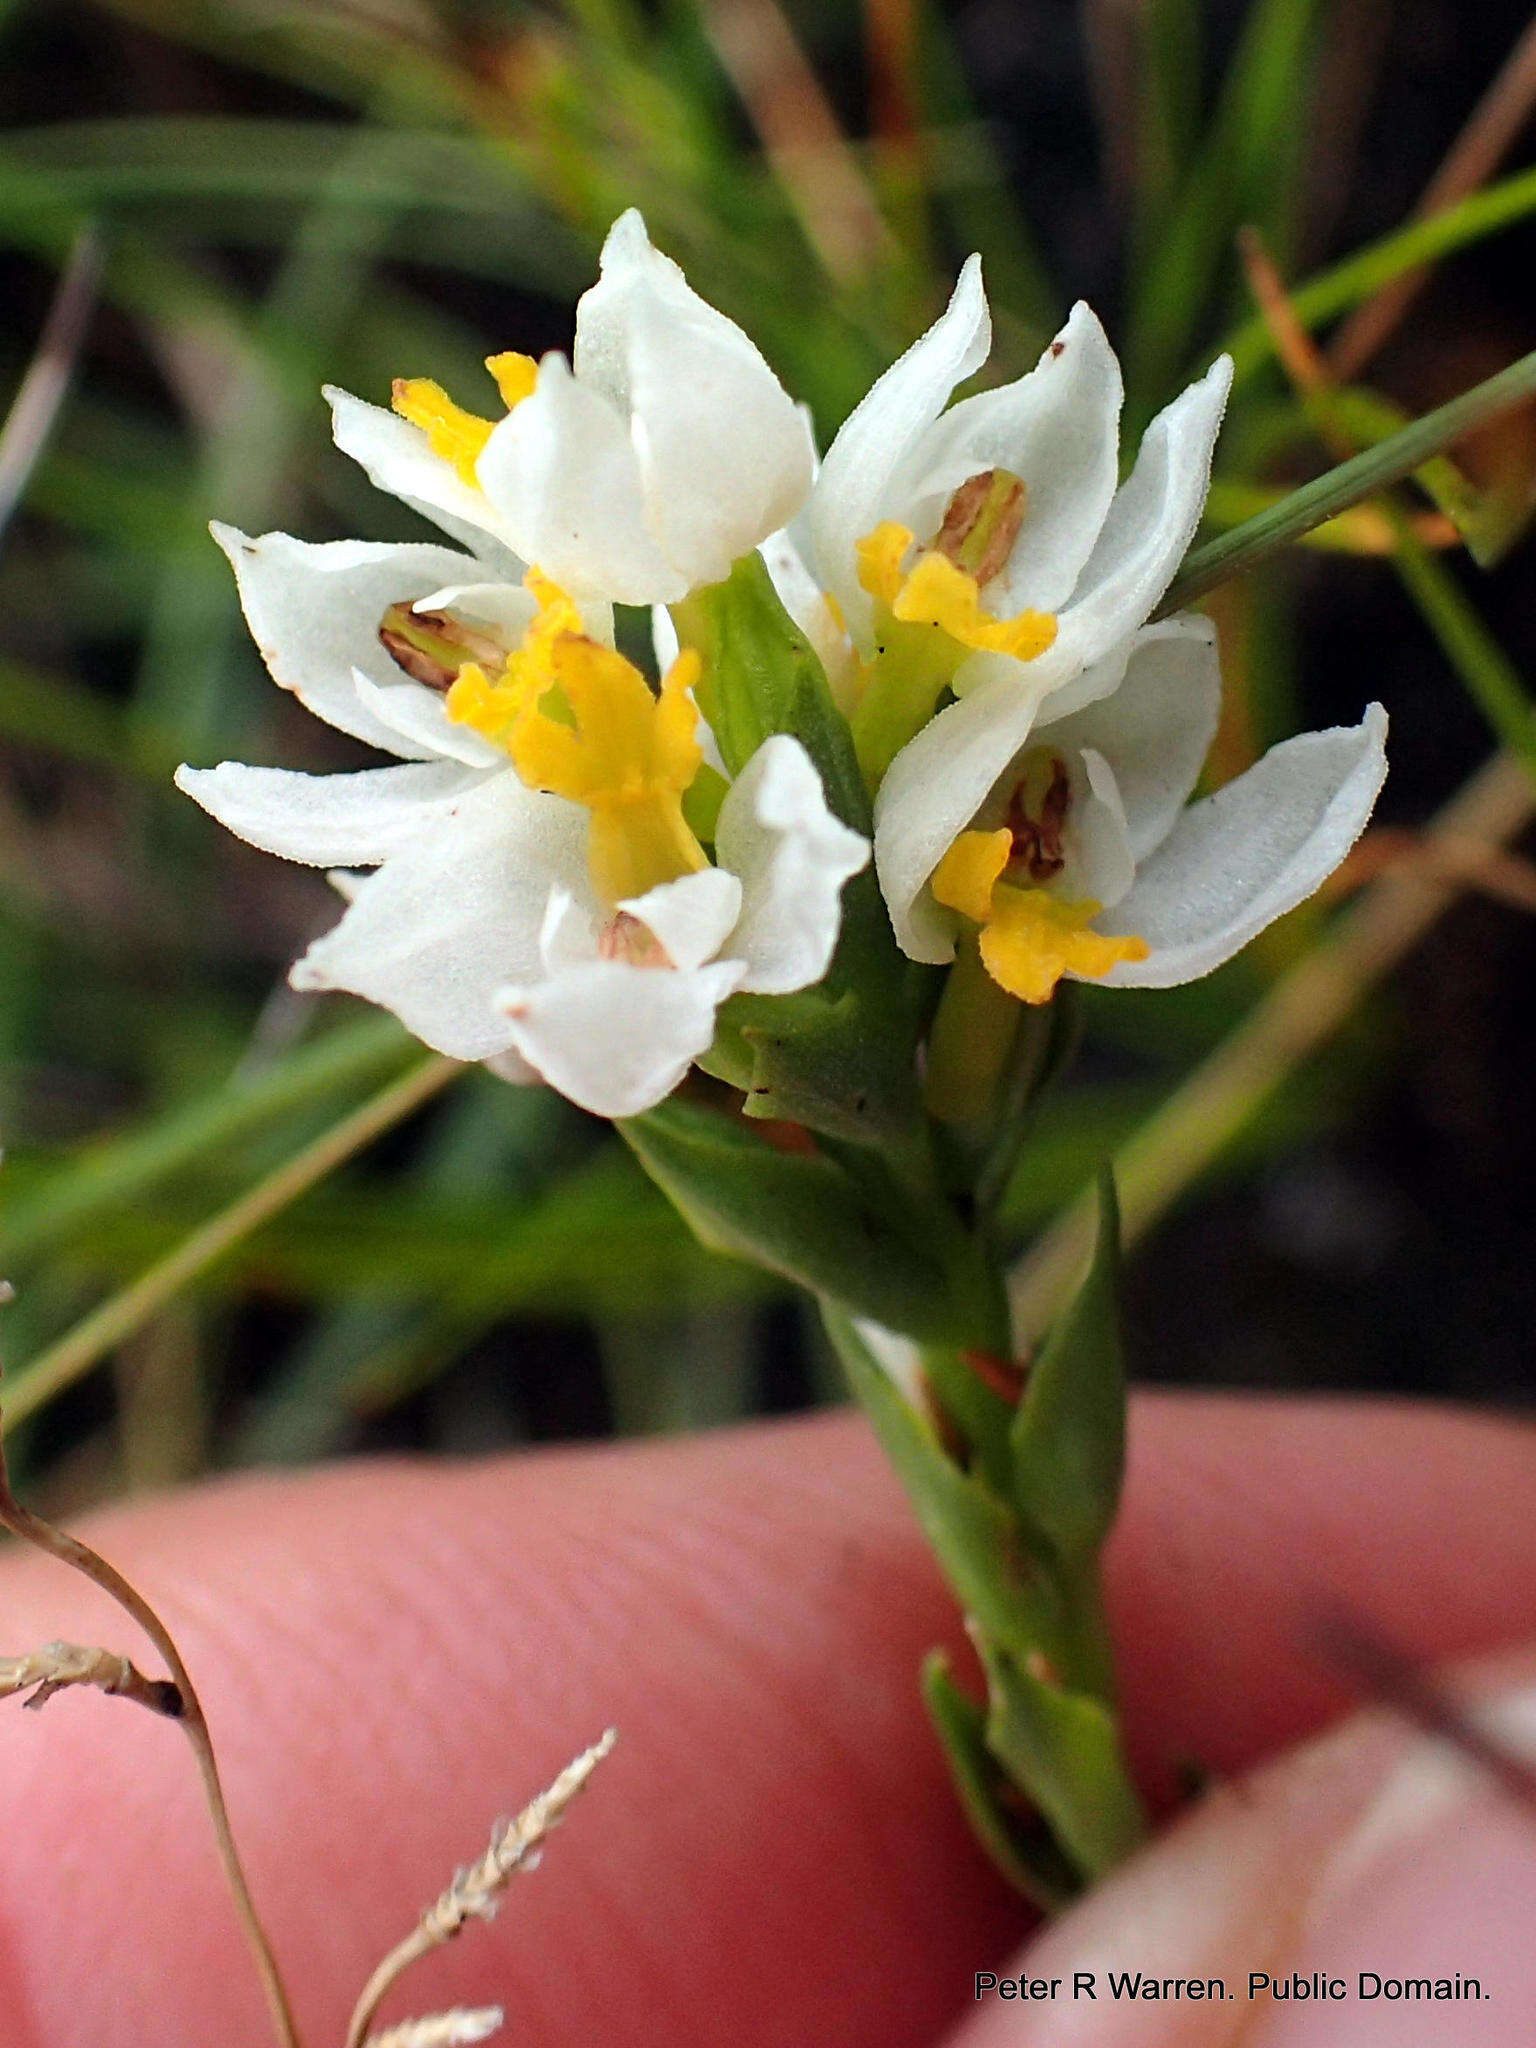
(563,475)
(1242,858)
(613,1037)
(693,916)
(725,455)
(850,495)
(1100,863)
(1151,522)
(325,820)
(793,857)
(1058,429)
(314,612)
(397,458)
(937,784)
(1156,728)
(807,605)
(419,716)
(455,914)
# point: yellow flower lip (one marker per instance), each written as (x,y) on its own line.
(457,436)
(936,591)
(1029,937)
(581,722)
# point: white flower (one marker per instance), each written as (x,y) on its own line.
(662,453)
(985,548)
(540,899)
(1083,861)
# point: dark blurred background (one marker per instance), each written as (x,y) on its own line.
(261,197)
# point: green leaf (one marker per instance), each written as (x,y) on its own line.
(1064,1748)
(1027,1856)
(1055,1736)
(840,1058)
(803,1215)
(1336,290)
(1237,175)
(1362,476)
(1069,1431)
(762,676)
(972,1530)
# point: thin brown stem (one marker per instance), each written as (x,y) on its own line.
(41,391)
(80,1557)
(1473,157)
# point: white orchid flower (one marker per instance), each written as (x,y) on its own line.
(540,897)
(1082,860)
(664,451)
(986,548)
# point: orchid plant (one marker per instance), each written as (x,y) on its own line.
(796,911)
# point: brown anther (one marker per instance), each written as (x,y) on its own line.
(1042,1670)
(981,524)
(1037,817)
(626,938)
(433,646)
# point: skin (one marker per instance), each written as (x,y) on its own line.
(391,1654)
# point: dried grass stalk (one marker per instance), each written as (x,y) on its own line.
(444,2030)
(57,1665)
(475,1892)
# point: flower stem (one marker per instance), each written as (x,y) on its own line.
(971,1042)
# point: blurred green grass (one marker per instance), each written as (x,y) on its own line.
(292,195)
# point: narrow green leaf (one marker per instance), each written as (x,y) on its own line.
(1360,477)
(971,1530)
(1028,1857)
(1347,284)
(841,1057)
(762,676)
(1057,1742)
(1239,170)
(1064,1748)
(801,1215)
(119,1170)
(1069,1432)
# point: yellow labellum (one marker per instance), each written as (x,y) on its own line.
(457,436)
(581,721)
(1029,938)
(937,592)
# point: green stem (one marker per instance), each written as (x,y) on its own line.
(971,1043)
(1361,477)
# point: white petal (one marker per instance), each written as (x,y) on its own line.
(398,458)
(1152,521)
(693,916)
(507,608)
(325,820)
(616,1038)
(793,857)
(564,477)
(724,452)
(1059,430)
(1156,728)
(807,605)
(511,1066)
(1245,856)
(455,914)
(570,928)
(937,784)
(1098,845)
(419,717)
(852,491)
(315,612)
